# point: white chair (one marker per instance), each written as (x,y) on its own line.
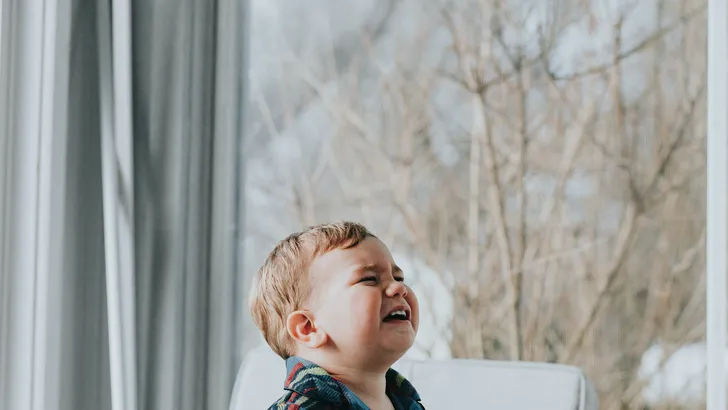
(443,385)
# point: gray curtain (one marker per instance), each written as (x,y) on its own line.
(120,203)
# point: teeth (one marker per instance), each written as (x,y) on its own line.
(398,314)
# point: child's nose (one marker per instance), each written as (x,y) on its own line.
(396,288)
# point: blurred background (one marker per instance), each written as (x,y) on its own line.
(538,169)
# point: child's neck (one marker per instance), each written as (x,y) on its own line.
(370,386)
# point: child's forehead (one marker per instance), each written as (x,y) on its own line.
(370,254)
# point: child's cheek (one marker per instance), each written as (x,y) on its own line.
(366,305)
(414,307)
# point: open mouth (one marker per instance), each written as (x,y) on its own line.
(397,315)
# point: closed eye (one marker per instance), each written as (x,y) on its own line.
(368,279)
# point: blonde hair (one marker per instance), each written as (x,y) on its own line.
(281,285)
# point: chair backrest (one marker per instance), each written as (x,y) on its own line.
(443,385)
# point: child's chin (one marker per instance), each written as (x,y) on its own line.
(401,330)
(399,343)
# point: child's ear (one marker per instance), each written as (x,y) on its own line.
(302,328)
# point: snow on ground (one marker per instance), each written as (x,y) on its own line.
(681,379)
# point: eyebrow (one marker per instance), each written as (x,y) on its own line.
(378,268)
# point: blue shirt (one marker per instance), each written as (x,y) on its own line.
(310,387)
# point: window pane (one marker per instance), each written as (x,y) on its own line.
(538,166)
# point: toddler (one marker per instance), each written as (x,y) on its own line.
(333,304)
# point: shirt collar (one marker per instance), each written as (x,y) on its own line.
(310,380)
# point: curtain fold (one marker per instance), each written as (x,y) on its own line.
(169,322)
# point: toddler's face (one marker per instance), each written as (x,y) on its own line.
(359,299)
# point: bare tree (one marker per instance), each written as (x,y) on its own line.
(561,186)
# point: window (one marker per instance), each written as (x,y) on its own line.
(539,166)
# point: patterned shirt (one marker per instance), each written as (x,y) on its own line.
(310,387)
